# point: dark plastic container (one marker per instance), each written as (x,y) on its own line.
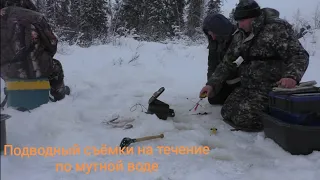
(308,119)
(295,139)
(161,109)
(295,103)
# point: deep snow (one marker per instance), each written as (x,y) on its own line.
(104,83)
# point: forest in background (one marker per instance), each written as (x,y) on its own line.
(89,22)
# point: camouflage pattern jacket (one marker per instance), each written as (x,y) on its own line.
(270,52)
(27,44)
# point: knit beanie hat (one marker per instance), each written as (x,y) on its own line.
(247,9)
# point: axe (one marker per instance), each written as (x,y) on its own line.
(127,141)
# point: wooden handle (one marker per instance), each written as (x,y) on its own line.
(149,138)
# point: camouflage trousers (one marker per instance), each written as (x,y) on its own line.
(223,94)
(243,108)
(56,80)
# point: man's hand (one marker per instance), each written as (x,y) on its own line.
(208,90)
(287,83)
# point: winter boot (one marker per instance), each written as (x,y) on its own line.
(58,88)
(59,94)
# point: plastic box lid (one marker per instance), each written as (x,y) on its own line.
(297,97)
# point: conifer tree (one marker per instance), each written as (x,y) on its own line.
(89,20)
(178,16)
(213,7)
(52,12)
(194,16)
(156,19)
(41,6)
(130,15)
(231,16)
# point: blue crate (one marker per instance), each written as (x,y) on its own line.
(307,119)
(27,93)
(295,103)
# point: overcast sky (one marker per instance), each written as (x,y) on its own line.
(287,8)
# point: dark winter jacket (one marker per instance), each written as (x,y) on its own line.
(223,28)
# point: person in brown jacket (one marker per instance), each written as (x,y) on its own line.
(28,46)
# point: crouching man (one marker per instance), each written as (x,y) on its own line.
(270,55)
(28,46)
(219,31)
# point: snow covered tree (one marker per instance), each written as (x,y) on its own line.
(115,9)
(299,22)
(63,21)
(151,20)
(157,19)
(162,22)
(52,9)
(213,7)
(178,9)
(75,12)
(194,16)
(316,17)
(231,16)
(89,21)
(41,5)
(130,15)
(64,15)
(58,15)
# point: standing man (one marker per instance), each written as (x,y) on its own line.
(28,46)
(219,31)
(266,53)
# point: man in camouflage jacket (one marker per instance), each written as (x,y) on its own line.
(28,46)
(219,31)
(271,55)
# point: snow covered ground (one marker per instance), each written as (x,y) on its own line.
(104,83)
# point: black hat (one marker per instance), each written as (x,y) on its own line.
(247,9)
(218,24)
